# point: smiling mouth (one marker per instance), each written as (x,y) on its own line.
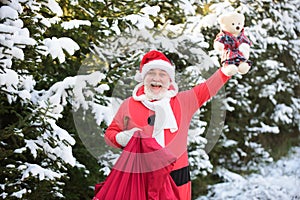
(156,85)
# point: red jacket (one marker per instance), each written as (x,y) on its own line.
(133,114)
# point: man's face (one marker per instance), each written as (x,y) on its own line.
(156,83)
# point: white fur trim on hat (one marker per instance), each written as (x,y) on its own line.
(156,64)
(138,77)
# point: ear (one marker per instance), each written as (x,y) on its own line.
(241,16)
(221,19)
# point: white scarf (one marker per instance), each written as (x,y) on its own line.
(164,116)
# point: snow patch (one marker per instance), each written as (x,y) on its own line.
(75,24)
(279,180)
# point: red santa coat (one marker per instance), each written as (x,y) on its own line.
(133,114)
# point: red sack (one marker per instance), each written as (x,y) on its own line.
(142,172)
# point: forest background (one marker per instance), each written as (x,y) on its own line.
(65,66)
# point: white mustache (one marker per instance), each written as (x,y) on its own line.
(156,84)
(166,86)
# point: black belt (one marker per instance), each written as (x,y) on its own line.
(181,176)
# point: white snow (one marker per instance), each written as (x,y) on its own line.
(265,129)
(151,10)
(198,158)
(229,143)
(75,24)
(209,20)
(283,113)
(19,194)
(57,45)
(42,173)
(227,103)
(8,12)
(187,6)
(140,21)
(54,7)
(279,180)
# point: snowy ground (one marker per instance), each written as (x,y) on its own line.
(277,181)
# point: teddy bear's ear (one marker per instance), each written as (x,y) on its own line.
(241,16)
(221,19)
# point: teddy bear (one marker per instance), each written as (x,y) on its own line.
(233,44)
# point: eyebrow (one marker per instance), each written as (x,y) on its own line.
(160,70)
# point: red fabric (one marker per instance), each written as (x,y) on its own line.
(153,55)
(142,172)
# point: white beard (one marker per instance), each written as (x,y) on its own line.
(150,96)
(169,93)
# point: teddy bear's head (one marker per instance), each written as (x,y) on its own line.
(232,22)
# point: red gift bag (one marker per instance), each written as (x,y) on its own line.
(142,172)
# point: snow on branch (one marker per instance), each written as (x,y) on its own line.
(265,129)
(76,90)
(56,46)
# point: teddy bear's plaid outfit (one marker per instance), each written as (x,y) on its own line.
(231,53)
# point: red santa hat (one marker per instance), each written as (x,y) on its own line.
(155,60)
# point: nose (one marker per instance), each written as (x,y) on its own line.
(237,28)
(155,76)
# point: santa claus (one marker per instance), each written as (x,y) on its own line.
(159,111)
